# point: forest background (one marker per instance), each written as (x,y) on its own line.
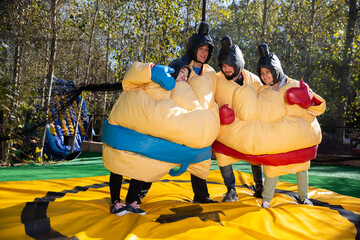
(96,41)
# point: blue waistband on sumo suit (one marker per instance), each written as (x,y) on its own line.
(122,138)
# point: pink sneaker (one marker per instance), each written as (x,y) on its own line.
(118,209)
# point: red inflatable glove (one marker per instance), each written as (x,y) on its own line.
(227,115)
(300,95)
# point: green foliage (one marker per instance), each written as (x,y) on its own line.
(309,39)
(98,40)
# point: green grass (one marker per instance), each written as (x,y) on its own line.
(341,179)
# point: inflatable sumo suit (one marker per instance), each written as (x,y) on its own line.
(231,93)
(207,75)
(160,129)
(267,130)
(206,80)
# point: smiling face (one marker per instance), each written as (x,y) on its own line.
(227,69)
(202,53)
(183,75)
(266,76)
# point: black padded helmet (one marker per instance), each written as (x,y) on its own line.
(231,55)
(270,61)
(199,39)
(177,64)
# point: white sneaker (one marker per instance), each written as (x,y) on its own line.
(265,204)
(307,202)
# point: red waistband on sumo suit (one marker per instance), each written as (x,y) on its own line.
(279,159)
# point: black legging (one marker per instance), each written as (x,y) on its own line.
(115,186)
(257,174)
(145,189)
(135,188)
(199,187)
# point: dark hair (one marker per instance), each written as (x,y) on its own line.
(270,61)
(177,65)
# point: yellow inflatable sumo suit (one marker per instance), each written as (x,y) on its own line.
(185,116)
(266,129)
(229,92)
(207,83)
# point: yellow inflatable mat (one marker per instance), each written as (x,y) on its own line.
(78,208)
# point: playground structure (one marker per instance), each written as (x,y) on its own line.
(67,127)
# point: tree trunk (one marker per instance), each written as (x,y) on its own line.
(107,57)
(147,35)
(345,77)
(240,15)
(77,72)
(49,78)
(264,21)
(90,97)
(165,40)
(90,41)
(309,68)
(15,90)
(16,64)
(106,69)
(2,132)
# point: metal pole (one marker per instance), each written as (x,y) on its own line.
(203,10)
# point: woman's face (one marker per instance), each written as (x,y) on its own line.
(266,76)
(183,75)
